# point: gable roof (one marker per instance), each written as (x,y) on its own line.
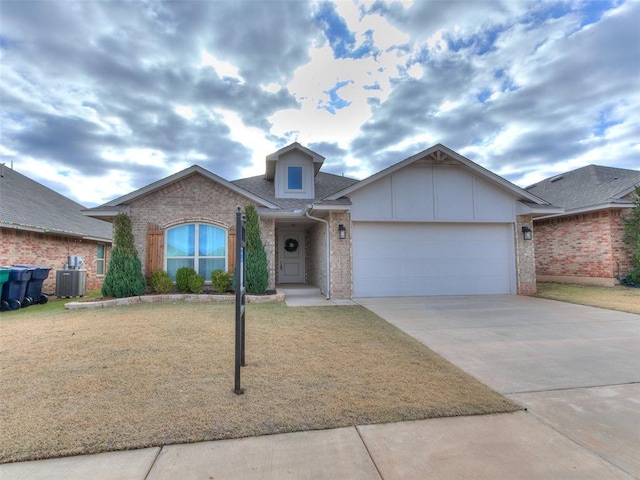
(588,188)
(325,185)
(28,205)
(111,208)
(270,170)
(440,153)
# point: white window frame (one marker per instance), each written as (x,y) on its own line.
(196,237)
(303,182)
(101,260)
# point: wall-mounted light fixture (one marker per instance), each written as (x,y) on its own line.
(527,233)
(342,232)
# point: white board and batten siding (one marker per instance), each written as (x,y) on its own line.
(433,230)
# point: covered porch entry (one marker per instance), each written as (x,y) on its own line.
(301,253)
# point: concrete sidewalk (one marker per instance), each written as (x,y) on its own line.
(574,367)
(484,447)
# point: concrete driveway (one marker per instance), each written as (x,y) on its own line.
(575,368)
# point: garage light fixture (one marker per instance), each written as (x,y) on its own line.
(527,233)
(342,232)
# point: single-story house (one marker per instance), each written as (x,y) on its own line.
(433,224)
(41,227)
(585,243)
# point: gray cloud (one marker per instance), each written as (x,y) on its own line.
(84,83)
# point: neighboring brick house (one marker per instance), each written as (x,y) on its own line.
(435,223)
(585,243)
(41,227)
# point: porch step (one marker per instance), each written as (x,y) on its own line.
(291,290)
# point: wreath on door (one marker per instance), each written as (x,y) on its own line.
(291,244)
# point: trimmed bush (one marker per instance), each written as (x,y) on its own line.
(183,275)
(257,269)
(221,281)
(632,237)
(196,283)
(124,276)
(161,281)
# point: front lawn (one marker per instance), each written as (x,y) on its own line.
(624,299)
(85,381)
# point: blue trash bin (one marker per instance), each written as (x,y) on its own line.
(4,277)
(14,289)
(34,285)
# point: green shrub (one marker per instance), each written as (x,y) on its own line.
(161,281)
(196,283)
(183,275)
(124,276)
(632,236)
(221,281)
(257,269)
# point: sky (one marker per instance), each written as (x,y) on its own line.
(99,98)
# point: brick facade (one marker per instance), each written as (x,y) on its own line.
(525,258)
(582,248)
(316,256)
(194,199)
(341,281)
(340,260)
(47,250)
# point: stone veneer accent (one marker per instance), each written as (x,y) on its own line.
(582,248)
(525,257)
(22,247)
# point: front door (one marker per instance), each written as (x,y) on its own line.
(291,256)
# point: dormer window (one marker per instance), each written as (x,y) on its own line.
(293,170)
(294,178)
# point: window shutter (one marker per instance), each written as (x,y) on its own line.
(155,249)
(231,249)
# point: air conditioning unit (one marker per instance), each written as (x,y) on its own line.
(71,283)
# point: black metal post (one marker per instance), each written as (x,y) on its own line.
(240,275)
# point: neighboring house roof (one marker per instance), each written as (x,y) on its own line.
(588,188)
(28,205)
(440,153)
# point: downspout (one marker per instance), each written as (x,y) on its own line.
(326,222)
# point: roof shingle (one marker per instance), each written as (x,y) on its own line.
(588,186)
(28,205)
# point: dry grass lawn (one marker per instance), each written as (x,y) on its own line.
(86,381)
(624,299)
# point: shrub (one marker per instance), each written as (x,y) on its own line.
(161,281)
(257,269)
(220,280)
(183,275)
(196,283)
(632,237)
(124,276)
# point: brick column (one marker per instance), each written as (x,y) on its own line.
(525,257)
(340,255)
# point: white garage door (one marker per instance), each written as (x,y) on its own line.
(391,259)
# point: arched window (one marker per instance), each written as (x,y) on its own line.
(197,245)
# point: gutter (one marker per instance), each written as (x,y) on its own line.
(589,209)
(326,222)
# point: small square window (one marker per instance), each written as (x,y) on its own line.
(294,178)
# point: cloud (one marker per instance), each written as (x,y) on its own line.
(97,99)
